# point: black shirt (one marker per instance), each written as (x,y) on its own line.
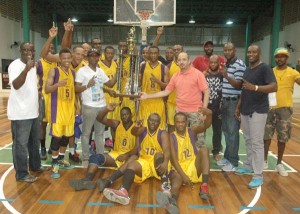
(253,101)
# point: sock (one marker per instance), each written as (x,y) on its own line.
(128,179)
(72,151)
(43,143)
(164,179)
(205,178)
(61,156)
(89,176)
(115,176)
(54,159)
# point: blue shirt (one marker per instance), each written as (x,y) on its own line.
(235,70)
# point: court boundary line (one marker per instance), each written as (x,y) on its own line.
(253,202)
(6,204)
(273,155)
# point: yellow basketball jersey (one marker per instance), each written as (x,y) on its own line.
(149,86)
(43,68)
(124,140)
(80,65)
(174,68)
(185,147)
(110,71)
(149,144)
(63,99)
(155,105)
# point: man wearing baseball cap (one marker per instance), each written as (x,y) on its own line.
(202,62)
(89,82)
(280,116)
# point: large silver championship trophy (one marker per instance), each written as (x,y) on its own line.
(131,88)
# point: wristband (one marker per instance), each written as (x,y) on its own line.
(256,87)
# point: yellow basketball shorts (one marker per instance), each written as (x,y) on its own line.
(58,130)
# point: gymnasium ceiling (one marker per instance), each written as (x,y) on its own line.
(204,11)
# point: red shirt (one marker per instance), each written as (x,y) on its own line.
(202,62)
(189,86)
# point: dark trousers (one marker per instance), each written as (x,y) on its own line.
(217,133)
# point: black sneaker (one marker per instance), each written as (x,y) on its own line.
(81,184)
(75,158)
(102,184)
(43,154)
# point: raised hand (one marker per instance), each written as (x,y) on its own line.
(160,30)
(53,31)
(223,70)
(68,25)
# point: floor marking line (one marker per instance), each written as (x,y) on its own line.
(9,199)
(6,203)
(51,202)
(291,168)
(200,207)
(148,205)
(253,208)
(100,204)
(4,147)
(253,202)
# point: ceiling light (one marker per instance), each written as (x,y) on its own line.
(74,20)
(192,20)
(229,22)
(110,19)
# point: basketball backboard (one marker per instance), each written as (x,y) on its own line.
(162,12)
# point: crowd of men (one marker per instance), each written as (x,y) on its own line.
(153,136)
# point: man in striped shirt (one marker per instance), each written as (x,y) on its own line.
(233,72)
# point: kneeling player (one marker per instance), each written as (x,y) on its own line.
(154,153)
(124,148)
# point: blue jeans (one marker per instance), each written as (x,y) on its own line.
(230,128)
(26,140)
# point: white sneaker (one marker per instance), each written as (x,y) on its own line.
(266,166)
(281,170)
(228,167)
(222,162)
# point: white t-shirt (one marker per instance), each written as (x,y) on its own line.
(93,96)
(22,103)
